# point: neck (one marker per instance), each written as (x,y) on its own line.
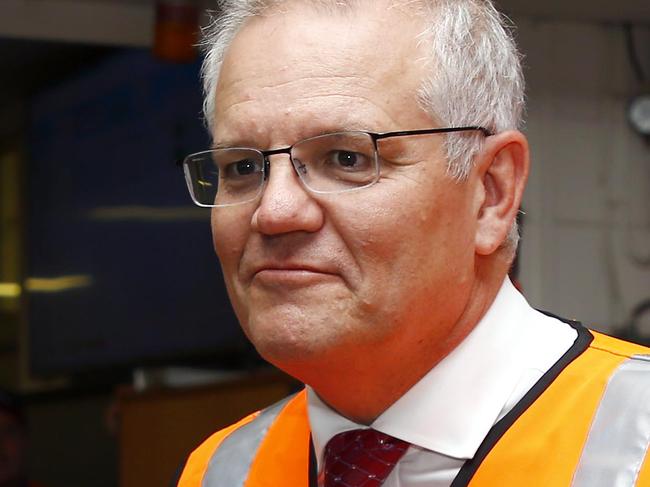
(361,385)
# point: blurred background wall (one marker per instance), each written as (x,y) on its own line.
(97,236)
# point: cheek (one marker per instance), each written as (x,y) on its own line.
(229,237)
(412,239)
(384,230)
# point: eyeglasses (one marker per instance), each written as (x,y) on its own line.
(331,163)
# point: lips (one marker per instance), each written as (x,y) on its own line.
(291,272)
(291,268)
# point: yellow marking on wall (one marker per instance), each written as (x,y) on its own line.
(57,284)
(10,290)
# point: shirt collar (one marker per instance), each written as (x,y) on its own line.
(452,408)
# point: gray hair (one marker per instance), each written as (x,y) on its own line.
(476,76)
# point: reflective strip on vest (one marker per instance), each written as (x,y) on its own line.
(230,464)
(616,446)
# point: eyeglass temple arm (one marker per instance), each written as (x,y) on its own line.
(400,133)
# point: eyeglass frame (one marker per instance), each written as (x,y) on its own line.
(375,136)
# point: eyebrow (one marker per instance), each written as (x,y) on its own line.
(221,145)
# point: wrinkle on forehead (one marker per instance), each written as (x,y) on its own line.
(247,128)
(233,84)
(230,94)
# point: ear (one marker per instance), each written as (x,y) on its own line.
(502,169)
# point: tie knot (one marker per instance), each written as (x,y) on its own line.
(363,457)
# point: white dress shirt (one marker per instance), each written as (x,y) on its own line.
(447,414)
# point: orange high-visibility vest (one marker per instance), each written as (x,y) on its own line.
(586,423)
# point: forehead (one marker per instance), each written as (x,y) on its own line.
(359,69)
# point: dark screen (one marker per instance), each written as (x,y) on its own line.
(120,262)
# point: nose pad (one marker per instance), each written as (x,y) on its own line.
(267,168)
(300,168)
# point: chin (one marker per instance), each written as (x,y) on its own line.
(290,343)
(279,349)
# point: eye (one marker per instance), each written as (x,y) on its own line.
(349,160)
(244,167)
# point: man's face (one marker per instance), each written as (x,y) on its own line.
(314,277)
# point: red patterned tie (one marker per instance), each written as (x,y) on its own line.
(361,458)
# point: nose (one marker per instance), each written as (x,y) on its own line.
(286,205)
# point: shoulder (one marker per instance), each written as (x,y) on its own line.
(619,427)
(602,359)
(595,368)
(197,462)
(630,375)
(614,346)
(621,368)
(626,358)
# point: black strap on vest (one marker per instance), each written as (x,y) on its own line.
(498,430)
(313,464)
